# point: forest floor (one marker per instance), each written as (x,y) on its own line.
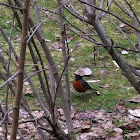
(121,124)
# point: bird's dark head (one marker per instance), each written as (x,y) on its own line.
(78,77)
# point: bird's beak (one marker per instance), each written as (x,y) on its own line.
(73,75)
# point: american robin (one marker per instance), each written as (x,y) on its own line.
(80,85)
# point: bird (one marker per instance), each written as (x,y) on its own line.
(81,85)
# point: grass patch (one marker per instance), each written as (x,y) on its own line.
(82,56)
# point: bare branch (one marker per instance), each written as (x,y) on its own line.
(74,12)
(11,6)
(111,14)
(37,13)
(19,89)
(43,22)
(101,7)
(104,13)
(66,59)
(132,11)
(122,33)
(127,12)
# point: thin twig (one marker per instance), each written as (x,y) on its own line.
(111,14)
(122,32)
(1,47)
(44,21)
(5,117)
(132,11)
(10,79)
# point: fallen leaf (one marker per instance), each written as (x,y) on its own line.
(118,130)
(8,22)
(66,131)
(105,86)
(17,39)
(69,38)
(72,59)
(135,112)
(116,137)
(133,136)
(47,40)
(115,64)
(79,44)
(135,99)
(23,125)
(128,126)
(126,87)
(83,71)
(122,25)
(120,107)
(28,91)
(124,52)
(92,81)
(108,124)
(57,45)
(60,111)
(26,83)
(104,72)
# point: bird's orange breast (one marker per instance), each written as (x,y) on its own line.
(78,86)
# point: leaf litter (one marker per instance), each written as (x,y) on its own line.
(88,125)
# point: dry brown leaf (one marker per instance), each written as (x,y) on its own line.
(60,111)
(85,125)
(133,136)
(69,38)
(128,126)
(108,124)
(105,86)
(23,125)
(79,44)
(135,99)
(122,25)
(96,134)
(47,40)
(28,91)
(116,137)
(57,45)
(37,137)
(26,83)
(118,130)
(77,124)
(104,72)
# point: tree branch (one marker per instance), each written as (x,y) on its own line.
(11,6)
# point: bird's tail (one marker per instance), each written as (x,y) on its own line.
(95,91)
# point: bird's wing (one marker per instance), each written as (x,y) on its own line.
(85,84)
